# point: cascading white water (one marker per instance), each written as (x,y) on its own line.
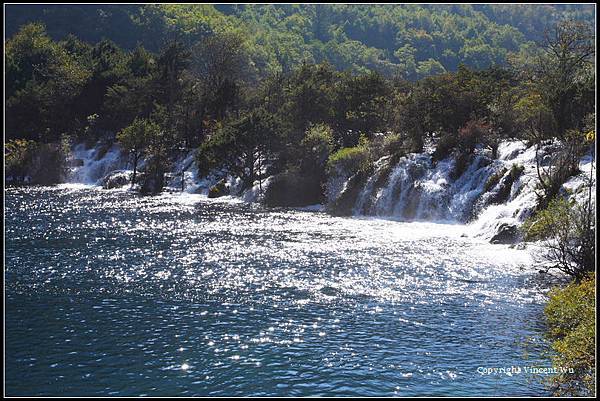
(415,188)
(104,163)
(418,189)
(184,166)
(94,163)
(522,199)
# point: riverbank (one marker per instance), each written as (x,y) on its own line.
(496,195)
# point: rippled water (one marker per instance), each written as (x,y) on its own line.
(108,293)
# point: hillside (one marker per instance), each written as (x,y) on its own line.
(411,40)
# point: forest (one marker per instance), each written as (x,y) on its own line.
(412,41)
(216,92)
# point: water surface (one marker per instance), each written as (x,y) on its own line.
(109,293)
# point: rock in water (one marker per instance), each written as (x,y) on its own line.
(76,163)
(293,189)
(151,186)
(506,234)
(116,179)
(219,189)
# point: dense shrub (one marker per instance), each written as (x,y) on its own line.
(393,144)
(350,160)
(444,146)
(472,133)
(292,188)
(570,315)
(317,144)
(29,162)
(567,231)
(18,156)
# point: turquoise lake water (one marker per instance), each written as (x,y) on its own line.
(109,293)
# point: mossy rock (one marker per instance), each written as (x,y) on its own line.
(293,189)
(219,189)
(116,179)
(505,185)
(494,179)
(381,180)
(344,204)
(102,150)
(152,184)
(506,234)
(461,165)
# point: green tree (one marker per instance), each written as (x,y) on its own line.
(135,93)
(42,83)
(245,146)
(361,106)
(568,232)
(569,51)
(157,164)
(136,139)
(221,64)
(316,147)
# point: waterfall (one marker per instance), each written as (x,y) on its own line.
(89,165)
(107,165)
(184,166)
(488,194)
(418,189)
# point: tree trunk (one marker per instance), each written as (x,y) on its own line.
(135,163)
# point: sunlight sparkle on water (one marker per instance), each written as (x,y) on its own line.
(317,302)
